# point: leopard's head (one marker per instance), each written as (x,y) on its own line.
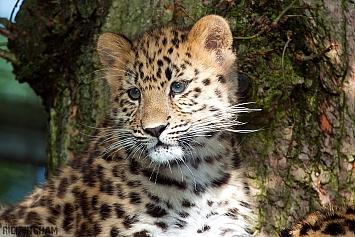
(173,90)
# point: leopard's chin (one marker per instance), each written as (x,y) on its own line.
(162,153)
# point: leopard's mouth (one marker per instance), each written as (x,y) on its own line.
(163,153)
(160,144)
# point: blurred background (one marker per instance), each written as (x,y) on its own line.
(22,128)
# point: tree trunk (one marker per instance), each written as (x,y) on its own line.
(300,59)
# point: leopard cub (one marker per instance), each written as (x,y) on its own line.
(165,161)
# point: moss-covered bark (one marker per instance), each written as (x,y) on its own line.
(303,154)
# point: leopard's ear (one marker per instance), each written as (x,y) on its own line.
(212,32)
(113,49)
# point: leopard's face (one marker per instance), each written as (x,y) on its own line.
(173,91)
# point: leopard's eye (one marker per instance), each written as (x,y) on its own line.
(178,87)
(134,93)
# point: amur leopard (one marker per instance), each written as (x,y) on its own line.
(165,161)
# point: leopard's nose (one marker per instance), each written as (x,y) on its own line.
(157,131)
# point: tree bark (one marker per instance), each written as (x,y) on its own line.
(299,56)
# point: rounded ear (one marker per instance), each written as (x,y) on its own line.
(113,49)
(212,32)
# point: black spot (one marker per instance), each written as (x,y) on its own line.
(187,203)
(115,171)
(129,221)
(246,188)
(196,163)
(96,229)
(62,188)
(170,50)
(119,190)
(245,204)
(161,224)
(116,99)
(168,73)
(175,42)
(221,79)
(119,210)
(160,63)
(166,59)
(141,74)
(134,183)
(180,223)
(168,204)
(100,172)
(152,196)
(306,227)
(184,214)
(203,229)
(163,180)
(143,233)
(83,200)
(107,187)
(55,211)
(155,211)
(351,225)
(88,176)
(164,41)
(214,109)
(233,213)
(236,160)
(218,93)
(68,221)
(350,210)
(52,219)
(285,233)
(159,73)
(105,211)
(334,229)
(206,82)
(8,213)
(114,232)
(188,55)
(199,188)
(134,167)
(220,181)
(183,37)
(94,202)
(123,175)
(198,89)
(33,218)
(135,198)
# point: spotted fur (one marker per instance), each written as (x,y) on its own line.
(165,161)
(327,222)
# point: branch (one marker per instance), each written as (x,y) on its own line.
(8,24)
(316,55)
(267,27)
(8,34)
(9,57)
